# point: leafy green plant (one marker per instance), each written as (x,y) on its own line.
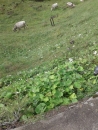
(65,83)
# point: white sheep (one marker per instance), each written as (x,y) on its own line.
(19,25)
(55,5)
(70,4)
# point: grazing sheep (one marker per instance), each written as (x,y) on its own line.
(55,5)
(81,0)
(96,71)
(19,25)
(70,4)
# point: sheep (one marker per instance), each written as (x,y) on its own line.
(55,5)
(70,4)
(19,25)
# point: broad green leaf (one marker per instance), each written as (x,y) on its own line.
(78,76)
(8,95)
(34,94)
(71,86)
(54,86)
(49,94)
(35,89)
(73,96)
(67,89)
(58,94)
(66,101)
(68,82)
(94,82)
(77,84)
(45,99)
(31,94)
(80,68)
(50,106)
(40,108)
(57,101)
(41,96)
(44,79)
(52,77)
(53,91)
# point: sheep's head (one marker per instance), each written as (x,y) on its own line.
(14,29)
(73,5)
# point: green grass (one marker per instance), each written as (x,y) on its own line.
(43,48)
(37,44)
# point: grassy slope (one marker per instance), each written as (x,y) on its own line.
(41,42)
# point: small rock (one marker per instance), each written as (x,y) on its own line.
(96,71)
(72,42)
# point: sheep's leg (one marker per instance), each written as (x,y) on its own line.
(24,27)
(18,29)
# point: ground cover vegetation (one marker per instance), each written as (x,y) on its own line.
(42,66)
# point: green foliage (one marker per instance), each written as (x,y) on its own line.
(65,83)
(25,92)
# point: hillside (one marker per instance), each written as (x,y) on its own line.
(41,42)
(45,66)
